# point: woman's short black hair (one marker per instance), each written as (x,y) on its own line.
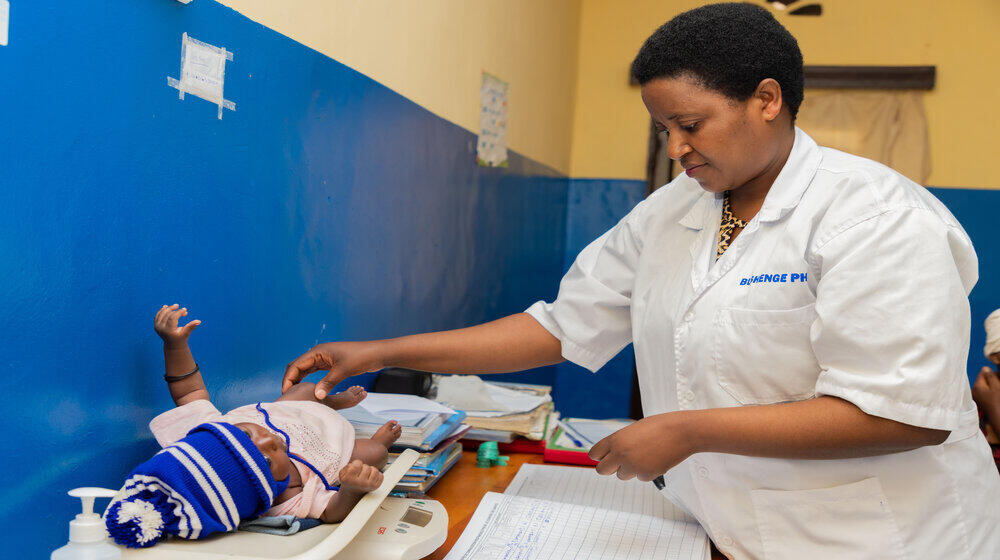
(728,47)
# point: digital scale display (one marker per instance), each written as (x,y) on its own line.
(416,516)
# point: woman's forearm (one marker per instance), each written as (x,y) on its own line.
(821,428)
(513,343)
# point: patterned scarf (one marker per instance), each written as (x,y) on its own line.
(727,224)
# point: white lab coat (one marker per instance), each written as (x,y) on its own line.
(851,281)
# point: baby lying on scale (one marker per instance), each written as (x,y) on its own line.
(294,456)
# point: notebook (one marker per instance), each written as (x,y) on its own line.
(570,512)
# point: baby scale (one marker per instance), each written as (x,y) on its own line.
(380,527)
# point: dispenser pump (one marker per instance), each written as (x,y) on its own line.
(88,526)
(88,538)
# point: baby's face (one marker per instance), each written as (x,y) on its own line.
(272,446)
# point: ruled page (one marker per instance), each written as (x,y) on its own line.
(562,513)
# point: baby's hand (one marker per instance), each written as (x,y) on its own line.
(359,477)
(165,324)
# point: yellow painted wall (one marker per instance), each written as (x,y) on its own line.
(961,38)
(433,52)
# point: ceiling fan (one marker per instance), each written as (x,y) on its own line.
(786,5)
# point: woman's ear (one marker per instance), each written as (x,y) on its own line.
(768,95)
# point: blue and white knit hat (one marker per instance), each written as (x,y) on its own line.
(204,483)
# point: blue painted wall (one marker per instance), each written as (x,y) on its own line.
(593,207)
(977,211)
(325,207)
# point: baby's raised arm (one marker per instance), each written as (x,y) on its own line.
(182,375)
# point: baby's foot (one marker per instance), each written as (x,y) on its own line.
(388,433)
(346,399)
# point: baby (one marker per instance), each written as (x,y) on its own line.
(294,456)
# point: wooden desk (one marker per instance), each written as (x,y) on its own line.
(461,489)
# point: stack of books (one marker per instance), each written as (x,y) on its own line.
(523,426)
(429,468)
(428,427)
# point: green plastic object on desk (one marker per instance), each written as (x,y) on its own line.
(488,455)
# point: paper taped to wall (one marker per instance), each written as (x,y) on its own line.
(4,21)
(203,72)
(491,149)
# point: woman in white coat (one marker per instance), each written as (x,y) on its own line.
(799,316)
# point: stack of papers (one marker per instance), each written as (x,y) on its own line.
(427,426)
(424,423)
(486,400)
(497,411)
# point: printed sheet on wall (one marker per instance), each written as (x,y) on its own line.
(491,149)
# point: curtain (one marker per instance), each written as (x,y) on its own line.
(889,127)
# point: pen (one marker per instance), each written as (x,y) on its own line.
(572,438)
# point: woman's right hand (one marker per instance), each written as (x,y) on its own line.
(513,343)
(342,359)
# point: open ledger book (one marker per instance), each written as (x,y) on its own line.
(551,512)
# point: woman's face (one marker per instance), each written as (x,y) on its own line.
(722,143)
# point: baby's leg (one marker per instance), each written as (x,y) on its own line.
(374,451)
(361,474)
(344,399)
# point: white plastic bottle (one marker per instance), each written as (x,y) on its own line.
(88,539)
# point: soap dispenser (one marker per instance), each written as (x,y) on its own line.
(88,539)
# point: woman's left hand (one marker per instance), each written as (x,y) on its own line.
(644,450)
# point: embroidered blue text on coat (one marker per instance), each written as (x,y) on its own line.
(777,277)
